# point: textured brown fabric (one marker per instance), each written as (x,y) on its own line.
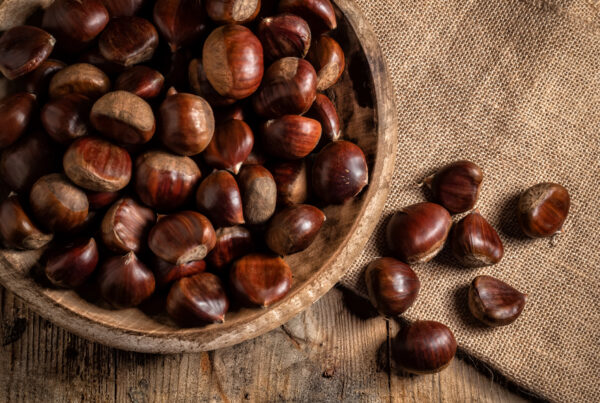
(515,87)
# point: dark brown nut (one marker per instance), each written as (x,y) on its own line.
(456,186)
(259,194)
(67,118)
(17,231)
(284,35)
(289,87)
(233,61)
(232,243)
(290,136)
(182,237)
(16,112)
(95,164)
(232,11)
(219,197)
(294,229)
(123,8)
(291,178)
(543,209)
(23,49)
(494,302)
(81,78)
(201,86)
(327,56)
(128,41)
(142,81)
(71,265)
(75,23)
(57,204)
(95,58)
(165,272)
(231,144)
(181,22)
(392,285)
(123,117)
(233,112)
(324,111)
(125,281)
(99,200)
(319,14)
(260,279)
(38,81)
(126,225)
(475,242)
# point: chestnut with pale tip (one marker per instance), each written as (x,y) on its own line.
(319,14)
(125,281)
(294,229)
(22,49)
(128,41)
(81,78)
(284,35)
(66,118)
(219,197)
(17,231)
(202,87)
(456,186)
(142,81)
(125,226)
(494,302)
(324,111)
(327,57)
(231,144)
(543,209)
(16,112)
(290,137)
(232,11)
(232,243)
(474,242)
(181,22)
(165,273)
(70,265)
(392,286)
(259,194)
(291,178)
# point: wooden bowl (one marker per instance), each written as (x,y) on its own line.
(364,101)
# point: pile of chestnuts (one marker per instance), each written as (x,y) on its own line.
(417,233)
(173,146)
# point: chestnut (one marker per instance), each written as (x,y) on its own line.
(70,265)
(424,347)
(57,204)
(166,273)
(67,118)
(233,112)
(259,194)
(284,35)
(291,179)
(294,228)
(128,41)
(165,181)
(38,81)
(123,8)
(232,11)
(16,111)
(186,122)
(198,300)
(324,111)
(99,200)
(230,146)
(290,136)
(233,61)
(23,49)
(75,23)
(417,233)
(125,281)
(201,86)
(456,186)
(181,22)
(392,286)
(123,117)
(182,237)
(218,196)
(142,81)
(261,280)
(289,88)
(327,57)
(339,172)
(474,242)
(494,302)
(543,209)
(126,225)
(319,14)
(95,164)
(232,243)
(17,231)
(81,78)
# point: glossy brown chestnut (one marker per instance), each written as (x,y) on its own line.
(232,243)
(57,204)
(125,281)
(233,61)
(126,225)
(289,87)
(95,164)
(67,118)
(81,78)
(17,231)
(75,23)
(201,86)
(424,347)
(291,179)
(99,200)
(123,8)
(475,242)
(182,237)
(324,111)
(232,11)
(327,56)
(16,111)
(187,123)
(417,233)
(142,81)
(456,186)
(235,112)
(494,302)
(128,41)
(123,117)
(290,136)
(284,35)
(198,300)
(294,229)
(392,285)
(543,209)
(260,280)
(339,172)
(165,181)
(181,22)
(230,146)
(219,197)
(23,49)
(165,272)
(319,14)
(70,265)
(259,194)
(38,81)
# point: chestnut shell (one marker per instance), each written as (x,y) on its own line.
(393,286)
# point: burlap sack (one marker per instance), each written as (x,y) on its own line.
(514,86)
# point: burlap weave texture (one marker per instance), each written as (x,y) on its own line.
(514,86)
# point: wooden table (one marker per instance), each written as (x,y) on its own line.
(336,350)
